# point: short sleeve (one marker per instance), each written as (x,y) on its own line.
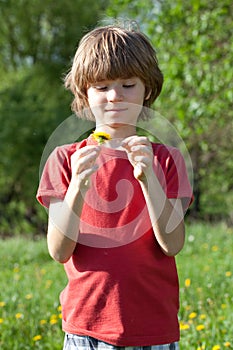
(172,173)
(56,175)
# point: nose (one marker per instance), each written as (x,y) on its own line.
(115,94)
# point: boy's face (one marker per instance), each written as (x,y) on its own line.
(115,102)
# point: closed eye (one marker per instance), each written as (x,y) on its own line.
(101,88)
(127,86)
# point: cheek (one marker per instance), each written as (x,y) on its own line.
(94,99)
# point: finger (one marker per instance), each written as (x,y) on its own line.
(81,152)
(133,140)
(84,163)
(141,149)
(84,160)
(85,174)
(141,159)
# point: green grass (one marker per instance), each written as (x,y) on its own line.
(31,283)
(29,296)
(206,280)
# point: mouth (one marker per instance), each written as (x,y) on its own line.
(116,110)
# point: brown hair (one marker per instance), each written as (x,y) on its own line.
(109,53)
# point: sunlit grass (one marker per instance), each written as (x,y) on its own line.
(206,278)
(30,313)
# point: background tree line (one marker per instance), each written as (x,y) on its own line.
(195,50)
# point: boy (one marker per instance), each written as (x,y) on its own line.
(116,210)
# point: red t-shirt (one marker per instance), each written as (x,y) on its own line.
(122,289)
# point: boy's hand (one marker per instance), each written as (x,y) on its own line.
(83,165)
(140,155)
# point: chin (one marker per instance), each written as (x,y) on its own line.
(116,125)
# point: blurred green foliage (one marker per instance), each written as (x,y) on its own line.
(195,50)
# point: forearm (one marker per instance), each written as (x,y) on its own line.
(63,227)
(64,216)
(166,216)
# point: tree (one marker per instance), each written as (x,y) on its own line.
(37,41)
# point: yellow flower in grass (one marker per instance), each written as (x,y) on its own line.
(192,315)
(184,326)
(53,319)
(214,249)
(202,316)
(200,327)
(1,320)
(227,344)
(2,303)
(187,282)
(28,296)
(228,274)
(216,347)
(101,137)
(43,322)
(18,315)
(37,337)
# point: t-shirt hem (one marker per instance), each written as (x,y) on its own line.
(127,341)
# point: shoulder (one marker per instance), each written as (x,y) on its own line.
(65,151)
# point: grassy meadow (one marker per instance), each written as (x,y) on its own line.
(30,314)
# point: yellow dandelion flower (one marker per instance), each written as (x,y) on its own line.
(224,306)
(18,315)
(60,316)
(2,303)
(200,327)
(53,317)
(53,321)
(16,269)
(228,274)
(184,326)
(214,248)
(28,296)
(216,347)
(43,322)
(101,137)
(202,347)
(192,315)
(1,320)
(59,308)
(202,316)
(37,337)
(187,282)
(227,344)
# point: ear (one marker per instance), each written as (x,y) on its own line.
(147,96)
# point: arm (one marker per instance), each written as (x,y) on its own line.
(63,225)
(166,214)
